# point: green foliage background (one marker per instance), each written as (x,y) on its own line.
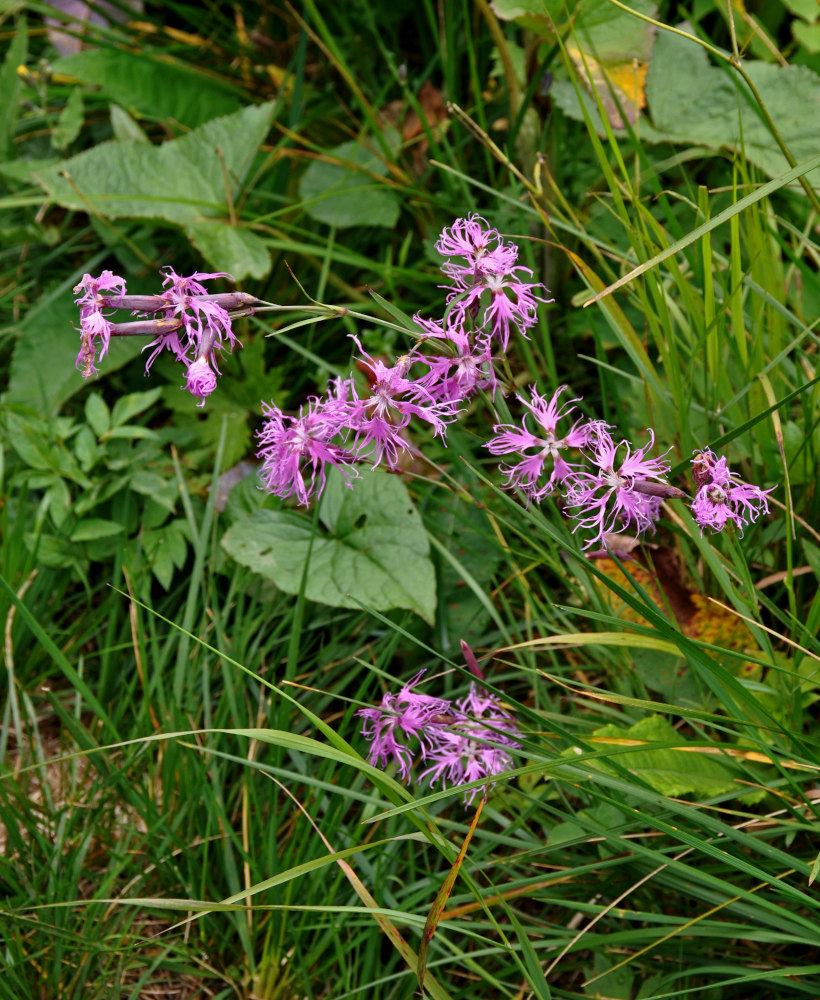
(185,808)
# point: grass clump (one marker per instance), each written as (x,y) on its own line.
(189,806)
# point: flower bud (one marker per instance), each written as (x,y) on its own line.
(201,380)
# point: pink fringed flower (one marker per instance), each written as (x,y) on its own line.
(185,319)
(206,323)
(722,496)
(455,377)
(623,494)
(400,719)
(296,451)
(476,744)
(487,279)
(378,419)
(512,304)
(463,741)
(537,449)
(482,248)
(94,325)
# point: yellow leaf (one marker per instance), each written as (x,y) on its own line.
(621,87)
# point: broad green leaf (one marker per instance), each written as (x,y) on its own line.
(56,553)
(70,121)
(134,433)
(345,193)
(531,14)
(615,985)
(86,448)
(95,527)
(692,101)
(229,248)
(166,549)
(807,9)
(667,674)
(164,492)
(152,84)
(371,548)
(668,770)
(586,821)
(808,35)
(182,181)
(58,499)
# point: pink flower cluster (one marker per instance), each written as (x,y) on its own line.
(608,487)
(459,741)
(618,490)
(452,361)
(722,497)
(185,319)
(612,488)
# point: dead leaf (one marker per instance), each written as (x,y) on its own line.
(411,127)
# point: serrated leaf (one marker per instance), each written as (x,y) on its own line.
(69,122)
(162,491)
(95,527)
(160,560)
(666,769)
(39,451)
(58,499)
(176,543)
(153,84)
(132,433)
(182,181)
(373,551)
(56,553)
(31,445)
(165,548)
(692,101)
(229,248)
(345,193)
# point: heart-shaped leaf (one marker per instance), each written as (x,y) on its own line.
(370,548)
